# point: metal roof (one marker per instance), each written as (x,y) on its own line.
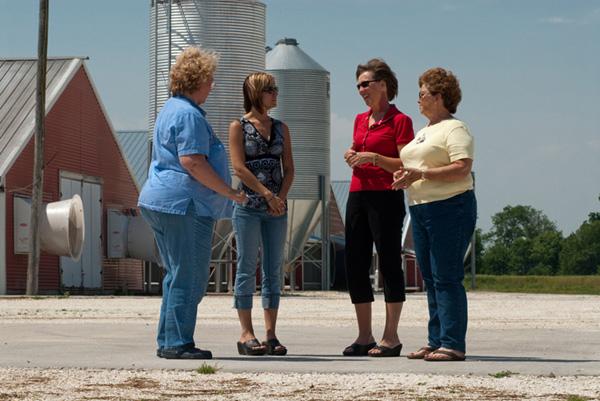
(135,148)
(286,55)
(341,190)
(17,100)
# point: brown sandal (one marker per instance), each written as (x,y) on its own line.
(421,353)
(448,356)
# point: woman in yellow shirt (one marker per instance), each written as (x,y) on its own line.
(437,175)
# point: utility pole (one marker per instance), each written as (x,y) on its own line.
(33,264)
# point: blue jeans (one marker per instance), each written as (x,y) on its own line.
(252,229)
(184,242)
(442,231)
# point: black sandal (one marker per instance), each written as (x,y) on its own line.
(251,347)
(386,351)
(274,347)
(356,349)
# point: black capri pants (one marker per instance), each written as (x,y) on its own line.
(375,217)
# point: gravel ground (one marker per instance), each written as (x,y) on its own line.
(489,310)
(323,309)
(86,384)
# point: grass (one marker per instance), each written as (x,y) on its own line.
(537,284)
(206,369)
(577,398)
(502,374)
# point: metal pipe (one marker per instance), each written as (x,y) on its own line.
(323,188)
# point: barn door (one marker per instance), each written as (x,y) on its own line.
(87,271)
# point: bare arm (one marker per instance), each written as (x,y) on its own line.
(404,177)
(389,164)
(199,168)
(238,161)
(288,164)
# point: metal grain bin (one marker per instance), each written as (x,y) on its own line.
(303,105)
(233,28)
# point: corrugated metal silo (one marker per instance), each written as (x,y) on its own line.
(303,104)
(233,28)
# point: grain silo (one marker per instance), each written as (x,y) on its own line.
(303,105)
(233,28)
(236,30)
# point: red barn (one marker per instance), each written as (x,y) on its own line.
(82,157)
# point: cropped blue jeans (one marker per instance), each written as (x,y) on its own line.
(184,242)
(442,231)
(256,229)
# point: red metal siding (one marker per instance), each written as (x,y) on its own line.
(78,139)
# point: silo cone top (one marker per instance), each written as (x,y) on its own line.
(286,55)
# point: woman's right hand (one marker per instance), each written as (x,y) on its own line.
(347,155)
(276,206)
(238,196)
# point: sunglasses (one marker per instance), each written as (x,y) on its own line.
(365,84)
(271,89)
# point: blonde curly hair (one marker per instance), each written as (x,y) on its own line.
(192,67)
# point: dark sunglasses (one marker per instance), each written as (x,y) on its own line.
(271,89)
(365,84)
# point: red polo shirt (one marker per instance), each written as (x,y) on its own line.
(383,138)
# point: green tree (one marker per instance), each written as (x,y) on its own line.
(545,253)
(523,240)
(581,250)
(518,222)
(495,260)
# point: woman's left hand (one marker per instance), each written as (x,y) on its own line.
(360,158)
(405,177)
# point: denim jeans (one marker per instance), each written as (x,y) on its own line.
(442,231)
(184,242)
(254,228)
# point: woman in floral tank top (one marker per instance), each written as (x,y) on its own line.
(261,156)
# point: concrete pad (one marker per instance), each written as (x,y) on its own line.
(99,341)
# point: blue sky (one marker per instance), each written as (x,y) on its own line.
(529,70)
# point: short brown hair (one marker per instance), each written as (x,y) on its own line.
(253,88)
(381,71)
(438,80)
(192,67)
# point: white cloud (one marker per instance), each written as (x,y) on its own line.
(592,17)
(557,20)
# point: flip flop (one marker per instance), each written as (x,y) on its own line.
(355,349)
(274,347)
(251,347)
(386,351)
(449,356)
(421,353)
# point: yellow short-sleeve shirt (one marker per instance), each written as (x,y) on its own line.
(435,146)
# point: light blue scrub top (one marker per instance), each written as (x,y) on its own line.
(182,129)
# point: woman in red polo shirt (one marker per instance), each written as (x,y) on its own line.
(375,212)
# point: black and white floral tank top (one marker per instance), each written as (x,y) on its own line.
(263,159)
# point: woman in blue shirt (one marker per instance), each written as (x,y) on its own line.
(261,155)
(188,188)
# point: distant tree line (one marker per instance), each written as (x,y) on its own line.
(523,240)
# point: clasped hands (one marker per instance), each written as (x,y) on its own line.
(405,176)
(276,205)
(354,158)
